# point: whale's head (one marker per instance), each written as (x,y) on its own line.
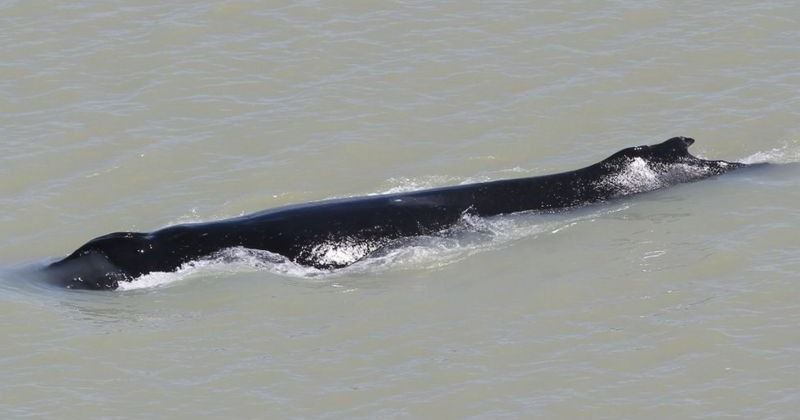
(104,261)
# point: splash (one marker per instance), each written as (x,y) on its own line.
(226,262)
(342,252)
(789,152)
(405,184)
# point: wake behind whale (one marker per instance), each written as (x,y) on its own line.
(335,234)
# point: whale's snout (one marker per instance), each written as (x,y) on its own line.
(91,271)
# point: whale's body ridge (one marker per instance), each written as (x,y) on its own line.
(301,232)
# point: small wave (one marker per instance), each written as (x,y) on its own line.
(409,184)
(226,262)
(406,184)
(789,152)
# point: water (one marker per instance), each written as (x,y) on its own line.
(133,116)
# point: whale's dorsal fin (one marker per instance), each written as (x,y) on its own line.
(672,150)
(674,147)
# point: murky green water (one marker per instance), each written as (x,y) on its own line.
(135,115)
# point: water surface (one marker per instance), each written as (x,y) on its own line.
(136,115)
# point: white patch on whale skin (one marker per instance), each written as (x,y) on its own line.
(640,176)
(343,251)
(637,176)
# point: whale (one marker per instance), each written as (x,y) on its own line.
(305,233)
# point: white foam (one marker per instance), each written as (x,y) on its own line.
(404,184)
(789,152)
(154,279)
(342,252)
(226,262)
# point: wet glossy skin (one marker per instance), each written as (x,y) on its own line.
(374,221)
